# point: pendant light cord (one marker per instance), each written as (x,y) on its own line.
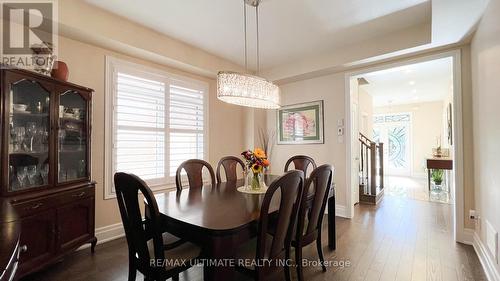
(245,26)
(257,31)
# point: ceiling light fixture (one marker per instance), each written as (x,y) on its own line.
(245,89)
(412,83)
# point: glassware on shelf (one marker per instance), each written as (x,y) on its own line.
(81,168)
(22,174)
(32,175)
(31,130)
(62,136)
(14,180)
(20,134)
(44,173)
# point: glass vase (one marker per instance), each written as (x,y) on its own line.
(256,181)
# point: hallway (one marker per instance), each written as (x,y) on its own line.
(413,188)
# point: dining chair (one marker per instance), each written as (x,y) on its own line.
(300,162)
(150,250)
(194,171)
(229,163)
(311,213)
(274,248)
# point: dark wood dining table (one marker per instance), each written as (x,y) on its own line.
(220,218)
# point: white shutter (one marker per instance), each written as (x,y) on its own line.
(139,127)
(186,122)
(154,121)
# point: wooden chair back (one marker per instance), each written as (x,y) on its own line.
(313,204)
(290,186)
(229,163)
(194,171)
(137,232)
(300,162)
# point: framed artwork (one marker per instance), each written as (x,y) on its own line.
(301,123)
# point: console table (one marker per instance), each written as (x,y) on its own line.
(437,164)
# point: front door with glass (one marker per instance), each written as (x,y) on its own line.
(394,130)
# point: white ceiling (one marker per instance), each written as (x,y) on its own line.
(416,83)
(289,29)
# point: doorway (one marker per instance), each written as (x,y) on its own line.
(395,126)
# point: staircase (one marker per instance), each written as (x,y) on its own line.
(371,171)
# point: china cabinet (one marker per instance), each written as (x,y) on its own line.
(45,165)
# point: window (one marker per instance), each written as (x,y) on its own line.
(154,122)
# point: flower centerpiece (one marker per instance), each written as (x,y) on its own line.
(256,161)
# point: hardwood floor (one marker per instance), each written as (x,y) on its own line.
(414,188)
(401,239)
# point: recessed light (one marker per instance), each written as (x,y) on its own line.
(414,91)
(411,83)
(415,98)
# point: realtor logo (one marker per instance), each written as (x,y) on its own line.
(29,33)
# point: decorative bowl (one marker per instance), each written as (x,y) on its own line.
(20,107)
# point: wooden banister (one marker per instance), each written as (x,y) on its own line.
(371,170)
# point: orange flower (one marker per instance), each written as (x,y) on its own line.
(259,153)
(266,163)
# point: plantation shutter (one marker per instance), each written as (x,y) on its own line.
(186,123)
(139,131)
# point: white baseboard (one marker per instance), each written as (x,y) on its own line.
(340,211)
(485,258)
(467,236)
(107,233)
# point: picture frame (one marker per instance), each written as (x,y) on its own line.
(301,123)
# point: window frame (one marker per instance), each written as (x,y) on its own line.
(113,65)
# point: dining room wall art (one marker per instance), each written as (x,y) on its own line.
(301,123)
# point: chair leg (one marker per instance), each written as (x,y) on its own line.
(320,251)
(298,261)
(131,270)
(287,266)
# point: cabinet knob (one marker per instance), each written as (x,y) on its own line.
(23,248)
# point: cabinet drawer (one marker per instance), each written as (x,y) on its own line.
(30,207)
(76,194)
(34,206)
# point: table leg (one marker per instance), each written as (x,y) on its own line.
(219,249)
(429,179)
(332,242)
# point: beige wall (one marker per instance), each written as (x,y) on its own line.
(426,126)
(365,102)
(87,67)
(485,54)
(331,88)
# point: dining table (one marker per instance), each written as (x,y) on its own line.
(220,218)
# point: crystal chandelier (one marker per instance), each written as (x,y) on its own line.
(245,89)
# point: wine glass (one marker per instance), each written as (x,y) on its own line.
(14,181)
(32,173)
(44,173)
(31,130)
(22,173)
(20,133)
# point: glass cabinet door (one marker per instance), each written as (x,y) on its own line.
(72,137)
(29,130)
